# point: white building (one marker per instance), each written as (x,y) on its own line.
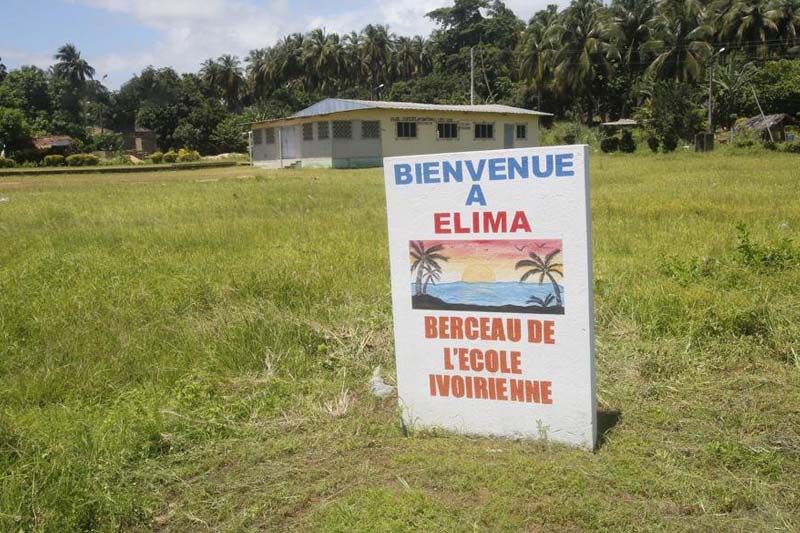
(360,133)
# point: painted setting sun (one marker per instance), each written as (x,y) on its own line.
(478,273)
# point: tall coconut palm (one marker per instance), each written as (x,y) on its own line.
(231,79)
(377,49)
(584,51)
(352,59)
(680,40)
(633,20)
(407,58)
(322,59)
(536,54)
(544,268)
(426,262)
(70,66)
(255,68)
(786,15)
(748,24)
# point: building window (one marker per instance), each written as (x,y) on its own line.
(308,132)
(407,130)
(522,131)
(370,129)
(342,129)
(447,130)
(484,131)
(322,130)
(258,137)
(269,135)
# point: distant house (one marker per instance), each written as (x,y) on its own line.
(141,141)
(775,124)
(360,133)
(52,142)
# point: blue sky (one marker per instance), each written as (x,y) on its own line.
(120,37)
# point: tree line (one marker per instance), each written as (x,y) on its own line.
(583,62)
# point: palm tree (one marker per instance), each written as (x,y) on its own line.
(748,23)
(377,49)
(537,54)
(431,276)
(545,268)
(542,302)
(322,59)
(632,20)
(70,66)
(786,16)
(407,58)
(426,262)
(255,71)
(680,40)
(231,79)
(585,49)
(352,59)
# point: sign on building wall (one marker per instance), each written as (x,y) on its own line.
(491,287)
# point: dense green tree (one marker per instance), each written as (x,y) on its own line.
(14,130)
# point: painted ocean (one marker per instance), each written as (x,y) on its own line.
(496,296)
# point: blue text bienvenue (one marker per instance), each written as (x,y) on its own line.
(488,169)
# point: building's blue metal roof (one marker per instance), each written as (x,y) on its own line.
(338,105)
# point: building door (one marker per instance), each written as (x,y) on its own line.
(290,143)
(508,136)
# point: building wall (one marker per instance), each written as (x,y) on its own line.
(358,151)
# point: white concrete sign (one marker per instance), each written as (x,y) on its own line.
(492,292)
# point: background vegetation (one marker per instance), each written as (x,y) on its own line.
(587,61)
(191,351)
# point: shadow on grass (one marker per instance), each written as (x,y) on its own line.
(606,420)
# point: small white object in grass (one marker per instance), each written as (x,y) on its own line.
(784,225)
(4,199)
(379,387)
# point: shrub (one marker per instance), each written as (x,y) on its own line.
(82,160)
(7,163)
(670,143)
(28,155)
(653,143)
(187,156)
(170,157)
(626,143)
(54,160)
(156,157)
(609,144)
(792,147)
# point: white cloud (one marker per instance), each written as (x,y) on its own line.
(191,31)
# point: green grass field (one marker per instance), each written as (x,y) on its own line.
(190,351)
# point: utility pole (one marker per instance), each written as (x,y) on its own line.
(472,76)
(764,118)
(710,80)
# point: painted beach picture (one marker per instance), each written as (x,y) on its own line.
(503,276)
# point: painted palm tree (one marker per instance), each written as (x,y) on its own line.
(431,276)
(748,24)
(680,40)
(70,66)
(544,268)
(547,301)
(426,262)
